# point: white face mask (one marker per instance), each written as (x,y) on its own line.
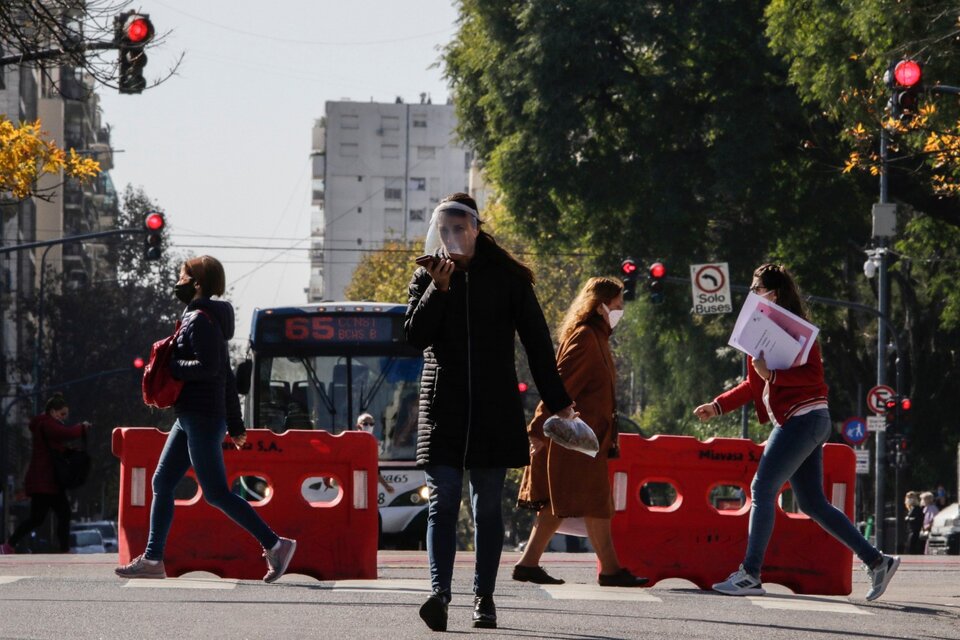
(613,315)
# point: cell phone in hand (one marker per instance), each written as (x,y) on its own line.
(427,261)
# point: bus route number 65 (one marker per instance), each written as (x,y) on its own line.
(320,328)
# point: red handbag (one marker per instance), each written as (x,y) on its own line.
(160,388)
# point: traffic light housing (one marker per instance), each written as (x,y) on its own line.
(628,273)
(153,239)
(655,282)
(132,32)
(905,82)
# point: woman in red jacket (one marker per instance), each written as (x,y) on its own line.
(795,401)
(49,432)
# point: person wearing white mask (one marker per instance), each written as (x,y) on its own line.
(561,483)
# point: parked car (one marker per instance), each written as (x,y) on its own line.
(86,541)
(945,532)
(107,529)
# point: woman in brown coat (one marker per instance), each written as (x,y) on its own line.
(562,483)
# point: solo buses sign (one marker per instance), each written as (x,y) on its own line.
(711,288)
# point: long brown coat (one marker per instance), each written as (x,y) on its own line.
(571,483)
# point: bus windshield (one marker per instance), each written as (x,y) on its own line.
(330,392)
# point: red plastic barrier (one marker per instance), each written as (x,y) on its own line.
(336,539)
(692,539)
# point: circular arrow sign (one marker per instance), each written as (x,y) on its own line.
(709,279)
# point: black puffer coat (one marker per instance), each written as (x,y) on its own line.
(202,361)
(471,413)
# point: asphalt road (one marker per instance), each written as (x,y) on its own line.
(67,597)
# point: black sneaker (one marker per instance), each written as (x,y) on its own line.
(434,611)
(484,613)
(622,578)
(536,575)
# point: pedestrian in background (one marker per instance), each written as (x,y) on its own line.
(794,400)
(930,511)
(466,306)
(561,483)
(207,408)
(914,519)
(48,431)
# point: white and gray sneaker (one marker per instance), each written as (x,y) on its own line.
(881,576)
(740,583)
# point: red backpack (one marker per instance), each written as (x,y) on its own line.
(160,388)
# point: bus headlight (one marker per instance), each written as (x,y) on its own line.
(425,493)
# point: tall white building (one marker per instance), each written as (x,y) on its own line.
(379,170)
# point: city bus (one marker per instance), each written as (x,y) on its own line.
(320,366)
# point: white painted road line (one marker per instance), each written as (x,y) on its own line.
(183,583)
(383,586)
(807,603)
(11,579)
(596,592)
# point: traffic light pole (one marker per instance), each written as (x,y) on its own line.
(883,309)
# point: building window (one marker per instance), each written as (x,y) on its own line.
(390,123)
(418,215)
(426,153)
(349,150)
(417,184)
(389,151)
(349,121)
(419,121)
(393,193)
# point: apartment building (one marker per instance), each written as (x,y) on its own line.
(379,169)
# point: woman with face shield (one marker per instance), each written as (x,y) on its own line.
(466,305)
(560,483)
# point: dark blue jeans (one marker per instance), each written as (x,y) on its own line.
(794,452)
(486,495)
(195,441)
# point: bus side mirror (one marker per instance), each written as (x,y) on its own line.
(244,370)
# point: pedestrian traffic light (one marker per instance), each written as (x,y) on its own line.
(655,282)
(132,32)
(628,272)
(153,240)
(904,80)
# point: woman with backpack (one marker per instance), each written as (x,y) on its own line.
(207,408)
(49,433)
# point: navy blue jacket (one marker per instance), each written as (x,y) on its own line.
(202,361)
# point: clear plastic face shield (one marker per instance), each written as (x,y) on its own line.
(455,227)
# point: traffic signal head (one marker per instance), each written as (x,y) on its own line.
(890,410)
(153,240)
(628,272)
(904,81)
(655,282)
(132,32)
(138,363)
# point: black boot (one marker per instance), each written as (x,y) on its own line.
(434,611)
(484,612)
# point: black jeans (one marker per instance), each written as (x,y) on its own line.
(40,503)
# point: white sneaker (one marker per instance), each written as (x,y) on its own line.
(881,576)
(740,583)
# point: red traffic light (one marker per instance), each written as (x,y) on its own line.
(905,404)
(154,221)
(138,363)
(522,387)
(628,267)
(907,73)
(657,270)
(890,404)
(138,29)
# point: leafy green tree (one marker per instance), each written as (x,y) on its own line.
(93,333)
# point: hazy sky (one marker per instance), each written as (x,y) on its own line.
(224,145)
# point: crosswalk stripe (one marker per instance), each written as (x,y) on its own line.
(183,583)
(805,603)
(11,579)
(596,592)
(383,586)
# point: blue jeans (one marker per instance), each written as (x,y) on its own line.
(486,495)
(195,440)
(794,452)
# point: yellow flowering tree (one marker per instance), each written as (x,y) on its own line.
(26,155)
(383,275)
